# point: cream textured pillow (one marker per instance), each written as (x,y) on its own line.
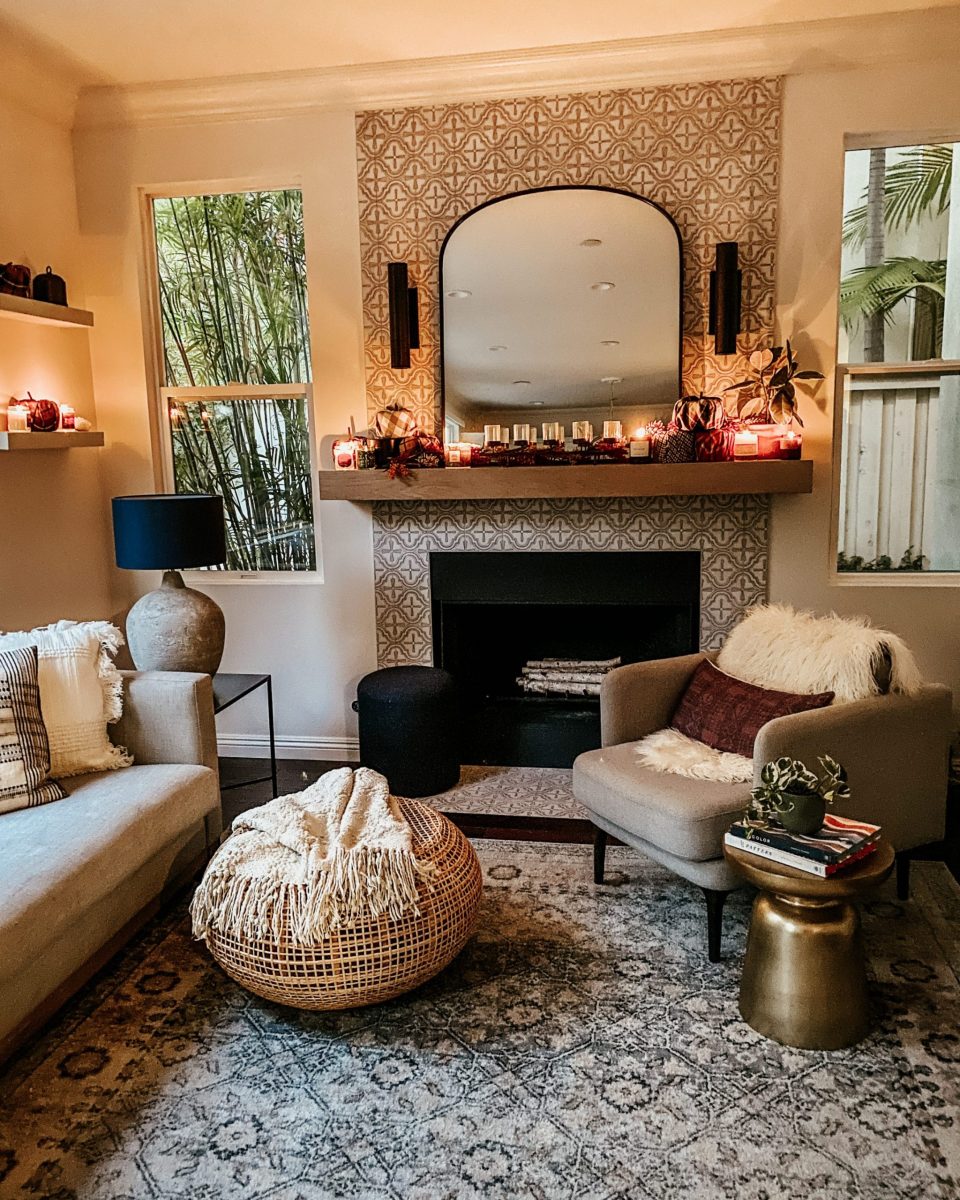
(81,690)
(24,750)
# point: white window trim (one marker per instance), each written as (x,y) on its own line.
(152,322)
(242,392)
(872,579)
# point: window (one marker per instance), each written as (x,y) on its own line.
(235,387)
(898,431)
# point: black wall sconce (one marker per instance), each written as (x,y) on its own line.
(404,316)
(726,286)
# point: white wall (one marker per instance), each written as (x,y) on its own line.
(316,638)
(53,544)
(319,639)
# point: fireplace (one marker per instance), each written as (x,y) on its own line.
(494,612)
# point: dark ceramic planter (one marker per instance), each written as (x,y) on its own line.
(802,813)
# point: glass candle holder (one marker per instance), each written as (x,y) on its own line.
(745,444)
(791,444)
(613,430)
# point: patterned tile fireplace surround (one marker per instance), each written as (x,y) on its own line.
(729,531)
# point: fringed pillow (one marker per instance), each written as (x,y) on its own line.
(775,646)
(727,713)
(24,750)
(81,691)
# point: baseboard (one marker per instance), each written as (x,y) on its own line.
(257,745)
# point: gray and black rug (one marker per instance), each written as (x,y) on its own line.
(581,1046)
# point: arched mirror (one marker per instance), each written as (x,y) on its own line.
(561,304)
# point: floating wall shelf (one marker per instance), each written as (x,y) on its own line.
(520,483)
(21,309)
(63,440)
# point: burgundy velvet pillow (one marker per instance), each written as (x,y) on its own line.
(727,713)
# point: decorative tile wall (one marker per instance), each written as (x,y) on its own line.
(729,531)
(708,153)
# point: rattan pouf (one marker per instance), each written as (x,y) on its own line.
(374,960)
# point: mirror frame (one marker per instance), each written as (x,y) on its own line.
(558,187)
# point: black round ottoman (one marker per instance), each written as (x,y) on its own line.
(409,728)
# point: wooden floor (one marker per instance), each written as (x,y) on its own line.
(295,774)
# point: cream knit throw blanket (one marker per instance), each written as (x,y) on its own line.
(338,852)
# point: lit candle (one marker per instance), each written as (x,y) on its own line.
(68,416)
(744,444)
(613,430)
(640,445)
(18,419)
(791,444)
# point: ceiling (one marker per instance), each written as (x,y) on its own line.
(124,42)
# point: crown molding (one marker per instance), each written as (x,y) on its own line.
(784,49)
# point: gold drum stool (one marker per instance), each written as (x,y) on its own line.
(371,961)
(804,982)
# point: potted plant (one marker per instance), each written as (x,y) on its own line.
(770,397)
(796,796)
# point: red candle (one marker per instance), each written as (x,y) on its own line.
(791,445)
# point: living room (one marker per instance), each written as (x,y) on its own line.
(284,231)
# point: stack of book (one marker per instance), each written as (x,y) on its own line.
(839,843)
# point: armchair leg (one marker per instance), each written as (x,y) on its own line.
(903,875)
(715,903)
(599,854)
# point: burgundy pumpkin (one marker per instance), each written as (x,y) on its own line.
(43,416)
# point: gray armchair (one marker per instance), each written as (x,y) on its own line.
(895,749)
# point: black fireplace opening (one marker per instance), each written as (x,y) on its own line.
(494,612)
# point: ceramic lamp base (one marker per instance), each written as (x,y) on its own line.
(176,628)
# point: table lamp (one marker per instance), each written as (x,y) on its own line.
(174,628)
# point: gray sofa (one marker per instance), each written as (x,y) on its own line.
(81,874)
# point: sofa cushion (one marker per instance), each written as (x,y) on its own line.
(728,713)
(684,817)
(63,857)
(24,749)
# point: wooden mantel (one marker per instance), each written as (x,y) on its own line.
(755,477)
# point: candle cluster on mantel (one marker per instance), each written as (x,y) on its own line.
(17,417)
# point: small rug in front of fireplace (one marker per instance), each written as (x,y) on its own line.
(512,792)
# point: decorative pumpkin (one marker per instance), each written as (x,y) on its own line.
(43,415)
(699,412)
(671,444)
(715,445)
(394,422)
(14,279)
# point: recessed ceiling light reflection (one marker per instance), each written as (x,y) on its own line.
(609,342)
(591,242)
(498,347)
(536,404)
(604,285)
(458,294)
(521,383)
(611,379)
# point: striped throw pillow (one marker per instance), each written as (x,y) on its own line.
(24,750)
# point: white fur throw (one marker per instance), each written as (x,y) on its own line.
(671,751)
(775,646)
(338,852)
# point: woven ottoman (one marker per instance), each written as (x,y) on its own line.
(375,960)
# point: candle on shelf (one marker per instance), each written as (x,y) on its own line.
(768,442)
(523,434)
(551,431)
(744,444)
(582,431)
(495,435)
(640,445)
(345,453)
(791,444)
(613,431)
(3,416)
(18,419)
(457,454)
(68,416)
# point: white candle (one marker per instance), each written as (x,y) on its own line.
(613,429)
(17,421)
(582,431)
(640,445)
(491,434)
(551,432)
(745,444)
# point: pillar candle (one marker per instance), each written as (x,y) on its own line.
(551,431)
(768,442)
(613,429)
(582,431)
(745,444)
(791,444)
(17,420)
(640,445)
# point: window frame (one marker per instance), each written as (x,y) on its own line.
(160,396)
(845,371)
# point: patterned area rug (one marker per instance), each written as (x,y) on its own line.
(512,792)
(581,1046)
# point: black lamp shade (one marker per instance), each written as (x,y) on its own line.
(167,533)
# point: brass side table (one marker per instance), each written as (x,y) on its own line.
(804,982)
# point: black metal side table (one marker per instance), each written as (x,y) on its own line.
(228,689)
